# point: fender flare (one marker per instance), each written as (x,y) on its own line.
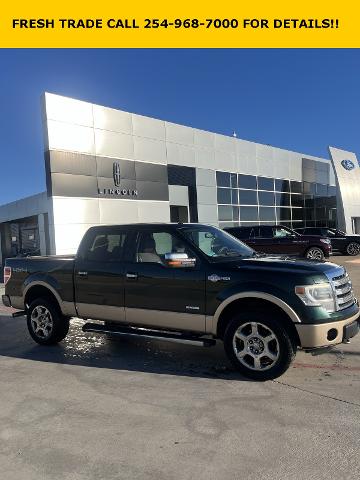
(254,294)
(66,308)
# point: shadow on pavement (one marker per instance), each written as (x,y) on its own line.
(126,353)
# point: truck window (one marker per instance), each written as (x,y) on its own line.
(105,247)
(153,246)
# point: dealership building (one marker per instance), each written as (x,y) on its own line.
(106,166)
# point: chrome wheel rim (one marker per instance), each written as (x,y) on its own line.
(41,322)
(256,346)
(353,249)
(314,254)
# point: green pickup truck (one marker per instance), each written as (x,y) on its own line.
(189,283)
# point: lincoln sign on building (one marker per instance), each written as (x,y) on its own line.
(106,166)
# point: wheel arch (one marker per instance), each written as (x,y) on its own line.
(41,290)
(256,301)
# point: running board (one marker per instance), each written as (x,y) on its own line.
(143,332)
(21,313)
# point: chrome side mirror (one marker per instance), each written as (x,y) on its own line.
(179,260)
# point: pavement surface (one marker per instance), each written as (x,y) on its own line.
(99,408)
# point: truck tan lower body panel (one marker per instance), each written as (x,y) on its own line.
(165,319)
(17,302)
(313,336)
(101,312)
(143,317)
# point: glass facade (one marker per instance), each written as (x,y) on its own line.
(250,200)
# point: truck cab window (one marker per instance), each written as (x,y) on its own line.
(106,248)
(153,246)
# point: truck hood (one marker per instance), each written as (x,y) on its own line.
(284,263)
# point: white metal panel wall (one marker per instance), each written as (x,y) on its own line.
(348,182)
(72,125)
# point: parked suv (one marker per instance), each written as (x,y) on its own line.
(189,283)
(346,244)
(282,240)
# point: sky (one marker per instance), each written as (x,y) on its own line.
(301,100)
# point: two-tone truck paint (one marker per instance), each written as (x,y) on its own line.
(188,282)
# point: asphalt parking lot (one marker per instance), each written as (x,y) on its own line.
(100,408)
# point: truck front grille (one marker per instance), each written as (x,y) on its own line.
(343,291)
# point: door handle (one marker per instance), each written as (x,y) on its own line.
(131,276)
(82,274)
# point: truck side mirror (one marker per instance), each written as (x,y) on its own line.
(179,260)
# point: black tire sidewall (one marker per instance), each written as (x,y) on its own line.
(60,323)
(315,248)
(287,349)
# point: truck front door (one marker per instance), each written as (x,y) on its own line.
(159,295)
(99,275)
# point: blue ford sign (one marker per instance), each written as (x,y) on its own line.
(348,164)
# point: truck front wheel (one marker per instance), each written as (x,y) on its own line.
(45,323)
(259,347)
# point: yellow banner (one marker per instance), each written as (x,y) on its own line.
(183,24)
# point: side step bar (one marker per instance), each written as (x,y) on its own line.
(144,332)
(21,313)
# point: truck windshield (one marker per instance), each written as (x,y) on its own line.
(215,243)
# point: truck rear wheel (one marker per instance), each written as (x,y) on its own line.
(259,347)
(45,323)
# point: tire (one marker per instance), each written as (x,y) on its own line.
(46,324)
(248,334)
(314,253)
(353,249)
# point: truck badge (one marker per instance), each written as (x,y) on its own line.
(215,278)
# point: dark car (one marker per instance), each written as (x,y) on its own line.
(282,240)
(188,283)
(340,241)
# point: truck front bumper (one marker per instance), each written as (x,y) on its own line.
(6,300)
(326,334)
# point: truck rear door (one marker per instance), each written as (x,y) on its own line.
(99,275)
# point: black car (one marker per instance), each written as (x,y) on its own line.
(340,242)
(277,239)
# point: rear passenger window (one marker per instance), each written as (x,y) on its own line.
(106,247)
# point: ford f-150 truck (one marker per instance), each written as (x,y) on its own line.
(190,283)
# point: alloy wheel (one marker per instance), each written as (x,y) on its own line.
(41,322)
(314,254)
(353,248)
(256,346)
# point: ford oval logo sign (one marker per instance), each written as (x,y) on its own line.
(348,164)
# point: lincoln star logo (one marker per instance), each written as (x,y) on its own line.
(348,164)
(116,174)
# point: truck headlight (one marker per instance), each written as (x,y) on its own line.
(325,240)
(320,295)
